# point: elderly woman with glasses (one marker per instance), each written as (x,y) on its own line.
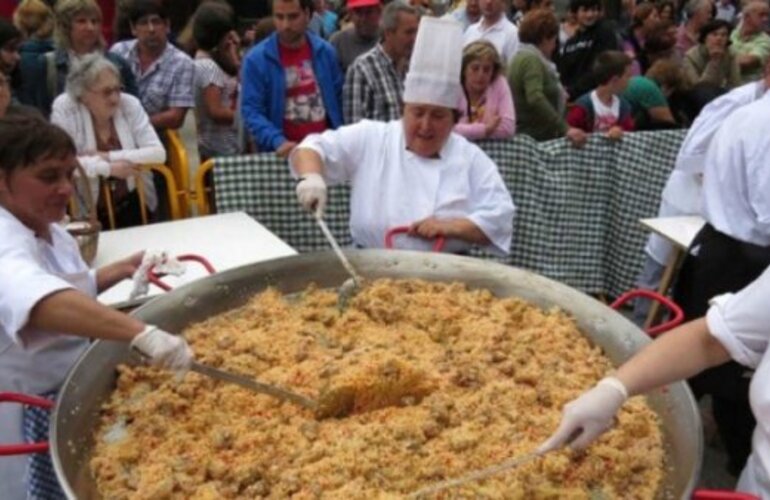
(112,133)
(78,32)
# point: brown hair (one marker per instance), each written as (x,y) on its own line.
(668,73)
(641,13)
(537,26)
(26,138)
(34,18)
(609,64)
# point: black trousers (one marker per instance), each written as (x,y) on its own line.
(722,264)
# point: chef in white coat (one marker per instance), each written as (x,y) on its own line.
(736,327)
(47,306)
(415,171)
(682,192)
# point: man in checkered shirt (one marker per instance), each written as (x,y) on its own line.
(164,74)
(374,83)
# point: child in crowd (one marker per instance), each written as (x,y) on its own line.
(217,63)
(603,109)
(486,106)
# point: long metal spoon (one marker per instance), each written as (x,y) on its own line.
(350,286)
(477,475)
(333,403)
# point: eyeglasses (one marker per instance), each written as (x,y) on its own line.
(106,92)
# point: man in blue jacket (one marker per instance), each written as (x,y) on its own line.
(292,82)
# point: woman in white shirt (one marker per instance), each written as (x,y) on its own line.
(112,133)
(415,171)
(736,327)
(47,306)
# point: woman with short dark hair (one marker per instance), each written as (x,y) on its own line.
(48,310)
(711,61)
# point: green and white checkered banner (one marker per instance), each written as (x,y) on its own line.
(577,210)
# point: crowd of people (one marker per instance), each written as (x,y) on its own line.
(318,64)
(389,96)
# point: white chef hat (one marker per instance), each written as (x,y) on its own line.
(434,69)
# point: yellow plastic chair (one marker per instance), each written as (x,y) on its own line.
(179,164)
(200,193)
(171,189)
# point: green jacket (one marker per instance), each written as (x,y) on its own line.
(536,98)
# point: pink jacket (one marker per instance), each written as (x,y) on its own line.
(498,100)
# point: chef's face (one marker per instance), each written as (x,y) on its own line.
(38,195)
(426,128)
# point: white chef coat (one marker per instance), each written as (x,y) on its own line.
(391,186)
(736,176)
(32,361)
(504,35)
(682,192)
(741,323)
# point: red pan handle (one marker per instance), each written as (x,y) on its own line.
(722,495)
(438,243)
(672,306)
(26,448)
(153,277)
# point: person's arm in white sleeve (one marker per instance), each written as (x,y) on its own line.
(736,326)
(492,208)
(679,354)
(332,156)
(741,321)
(72,312)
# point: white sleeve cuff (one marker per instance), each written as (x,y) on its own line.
(719,328)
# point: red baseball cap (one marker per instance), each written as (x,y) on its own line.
(354,4)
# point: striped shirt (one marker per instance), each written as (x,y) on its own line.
(373,88)
(167,83)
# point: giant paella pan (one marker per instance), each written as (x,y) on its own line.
(92,381)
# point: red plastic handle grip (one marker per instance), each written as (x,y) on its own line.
(678,314)
(438,243)
(26,448)
(722,495)
(153,277)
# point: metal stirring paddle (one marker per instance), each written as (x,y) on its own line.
(351,285)
(477,475)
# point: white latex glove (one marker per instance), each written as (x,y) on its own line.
(588,417)
(311,193)
(163,349)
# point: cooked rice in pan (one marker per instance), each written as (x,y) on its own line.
(446,380)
